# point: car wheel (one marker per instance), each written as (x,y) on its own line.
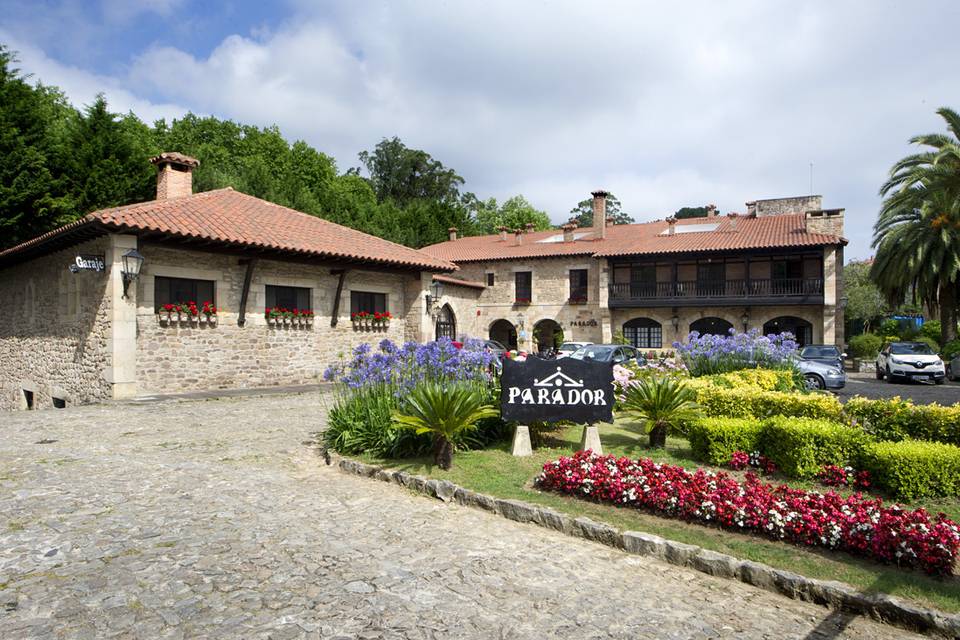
(890,376)
(814,382)
(939,380)
(879,373)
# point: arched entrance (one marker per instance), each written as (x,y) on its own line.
(446,323)
(548,335)
(505,333)
(715,326)
(643,333)
(800,328)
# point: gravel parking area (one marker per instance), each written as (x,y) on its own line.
(215,519)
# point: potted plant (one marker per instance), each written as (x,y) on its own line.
(168,312)
(385,319)
(287,316)
(193,313)
(271,313)
(209,313)
(307,317)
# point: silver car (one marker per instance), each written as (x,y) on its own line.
(819,375)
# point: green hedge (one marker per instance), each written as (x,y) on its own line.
(763,379)
(752,403)
(897,419)
(800,447)
(714,440)
(911,469)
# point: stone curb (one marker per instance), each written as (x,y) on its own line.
(835,595)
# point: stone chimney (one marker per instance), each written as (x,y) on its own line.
(528,228)
(733,221)
(503,232)
(568,232)
(828,221)
(671,226)
(174,174)
(711,210)
(599,213)
(518,237)
(453,233)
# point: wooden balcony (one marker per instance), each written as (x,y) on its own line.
(687,293)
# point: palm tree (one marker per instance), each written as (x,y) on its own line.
(659,404)
(444,411)
(917,235)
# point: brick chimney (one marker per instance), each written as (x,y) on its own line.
(733,221)
(174,174)
(453,233)
(671,226)
(503,232)
(568,232)
(711,210)
(528,228)
(518,237)
(599,213)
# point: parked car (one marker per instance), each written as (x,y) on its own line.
(615,353)
(495,348)
(821,375)
(953,368)
(569,348)
(825,353)
(909,360)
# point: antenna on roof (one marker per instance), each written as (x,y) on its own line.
(811,178)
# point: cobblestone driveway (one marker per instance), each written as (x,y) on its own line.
(211,519)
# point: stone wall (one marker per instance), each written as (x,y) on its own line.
(54,331)
(180,358)
(782,206)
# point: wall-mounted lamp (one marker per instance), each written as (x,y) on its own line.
(520,321)
(843,301)
(130,270)
(745,319)
(436,292)
(675,321)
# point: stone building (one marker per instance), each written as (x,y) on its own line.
(79,328)
(776,268)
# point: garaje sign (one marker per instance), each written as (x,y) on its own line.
(88,263)
(554,390)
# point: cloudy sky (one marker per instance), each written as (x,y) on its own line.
(666,106)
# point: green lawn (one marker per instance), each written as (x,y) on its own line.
(495,472)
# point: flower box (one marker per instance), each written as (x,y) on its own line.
(202,319)
(271,321)
(212,320)
(521,301)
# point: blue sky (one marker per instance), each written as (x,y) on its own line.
(666,106)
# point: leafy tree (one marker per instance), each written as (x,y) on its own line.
(514,213)
(402,174)
(690,212)
(659,404)
(445,410)
(865,302)
(582,214)
(917,234)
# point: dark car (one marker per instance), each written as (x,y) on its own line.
(615,353)
(825,353)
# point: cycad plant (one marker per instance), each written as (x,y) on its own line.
(659,404)
(445,410)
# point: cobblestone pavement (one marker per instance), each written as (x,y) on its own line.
(212,519)
(866,385)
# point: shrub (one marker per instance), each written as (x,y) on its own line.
(912,469)
(800,447)
(951,349)
(865,345)
(931,329)
(714,440)
(762,379)
(894,419)
(854,524)
(709,353)
(659,404)
(751,403)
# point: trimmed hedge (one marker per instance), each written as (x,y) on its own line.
(752,403)
(897,419)
(800,447)
(911,469)
(763,379)
(714,440)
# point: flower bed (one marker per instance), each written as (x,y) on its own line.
(854,524)
(707,354)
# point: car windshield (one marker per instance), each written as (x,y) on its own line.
(570,346)
(911,348)
(597,354)
(493,344)
(819,352)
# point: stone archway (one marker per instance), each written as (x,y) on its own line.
(800,328)
(712,325)
(547,334)
(505,333)
(446,326)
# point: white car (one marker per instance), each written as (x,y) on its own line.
(909,360)
(568,348)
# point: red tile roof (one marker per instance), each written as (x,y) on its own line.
(780,231)
(236,219)
(473,284)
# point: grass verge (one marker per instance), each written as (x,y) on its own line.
(494,471)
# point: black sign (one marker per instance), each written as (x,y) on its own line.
(554,390)
(583,323)
(88,263)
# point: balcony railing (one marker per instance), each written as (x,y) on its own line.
(718,289)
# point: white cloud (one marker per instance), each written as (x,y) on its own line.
(665,106)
